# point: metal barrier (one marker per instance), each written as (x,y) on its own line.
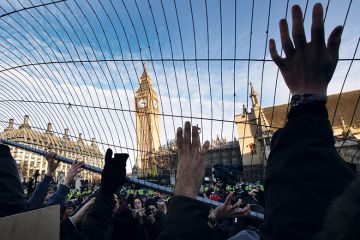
(140,182)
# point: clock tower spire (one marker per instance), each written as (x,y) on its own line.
(147,125)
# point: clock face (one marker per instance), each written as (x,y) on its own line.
(155,104)
(142,103)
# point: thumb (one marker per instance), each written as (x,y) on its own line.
(334,42)
(204,149)
(108,155)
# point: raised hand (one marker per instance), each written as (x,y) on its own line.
(307,67)
(51,164)
(227,210)
(191,164)
(114,173)
(71,173)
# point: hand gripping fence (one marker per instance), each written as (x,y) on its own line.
(140,182)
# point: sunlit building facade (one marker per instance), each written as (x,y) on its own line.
(29,162)
(256,126)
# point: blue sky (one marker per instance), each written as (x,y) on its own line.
(129,30)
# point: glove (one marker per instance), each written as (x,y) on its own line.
(113,174)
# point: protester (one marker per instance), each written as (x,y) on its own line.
(303,163)
(64,188)
(97,221)
(123,225)
(304,173)
(38,196)
(137,205)
(12,198)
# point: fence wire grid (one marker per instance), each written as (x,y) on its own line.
(77,64)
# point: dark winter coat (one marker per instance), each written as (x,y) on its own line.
(12,199)
(304,174)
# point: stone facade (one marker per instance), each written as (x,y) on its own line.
(256,127)
(28,162)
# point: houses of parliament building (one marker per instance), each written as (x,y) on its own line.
(28,162)
(247,153)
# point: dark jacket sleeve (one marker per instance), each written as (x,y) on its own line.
(68,230)
(38,196)
(12,198)
(97,221)
(304,173)
(59,196)
(186,218)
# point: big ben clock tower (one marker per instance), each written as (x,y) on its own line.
(147,124)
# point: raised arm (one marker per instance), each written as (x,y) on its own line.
(186,218)
(304,172)
(113,176)
(64,188)
(38,196)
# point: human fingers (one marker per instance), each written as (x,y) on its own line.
(108,155)
(285,38)
(279,61)
(204,149)
(50,155)
(195,145)
(241,211)
(74,163)
(317,26)
(228,198)
(79,164)
(237,204)
(298,32)
(333,43)
(187,137)
(78,169)
(179,140)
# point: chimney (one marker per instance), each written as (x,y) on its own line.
(11,125)
(26,119)
(49,128)
(93,142)
(66,134)
(80,140)
(25,123)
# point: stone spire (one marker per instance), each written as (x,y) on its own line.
(259,114)
(254,96)
(244,110)
(145,77)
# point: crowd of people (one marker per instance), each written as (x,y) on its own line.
(309,192)
(141,210)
